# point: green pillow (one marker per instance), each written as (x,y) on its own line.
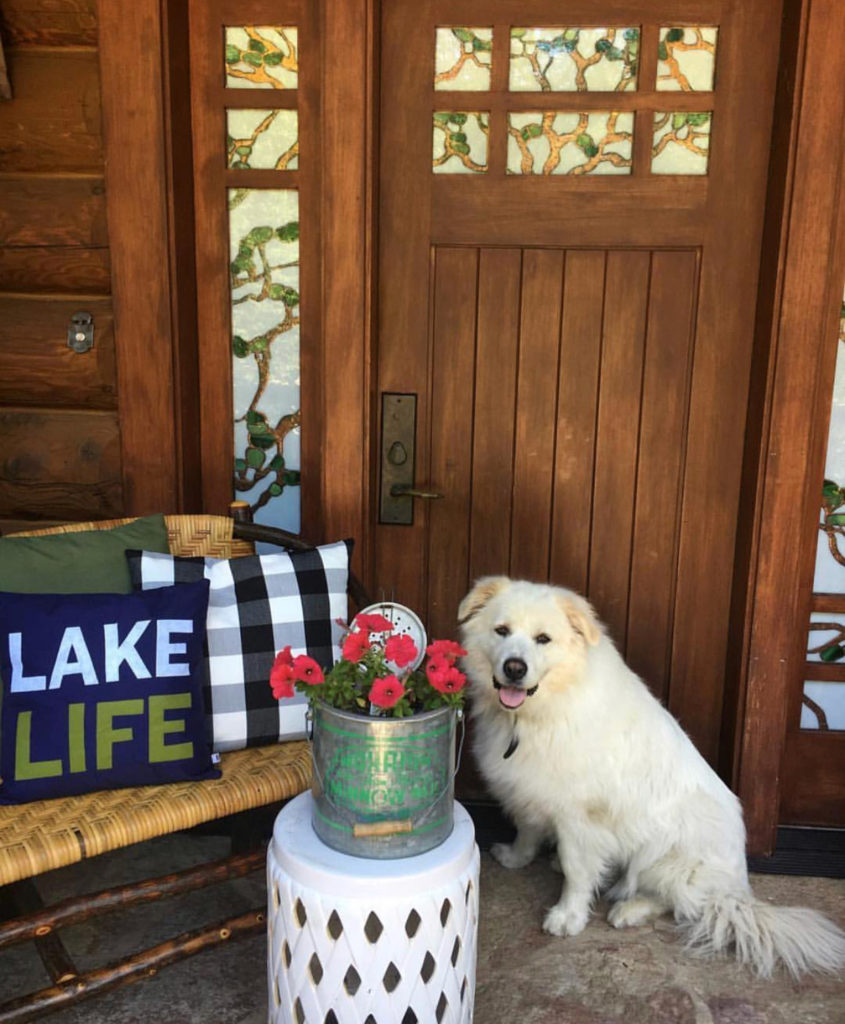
(87,562)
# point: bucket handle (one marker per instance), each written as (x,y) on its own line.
(387,827)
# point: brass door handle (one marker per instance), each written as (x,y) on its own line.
(401,491)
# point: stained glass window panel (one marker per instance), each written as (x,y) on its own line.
(574,59)
(462,58)
(569,143)
(681,142)
(823,706)
(830,552)
(263,139)
(460,142)
(686,59)
(261,57)
(264,284)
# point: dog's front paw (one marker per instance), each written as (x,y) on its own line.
(565,920)
(509,856)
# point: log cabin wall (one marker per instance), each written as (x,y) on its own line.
(60,455)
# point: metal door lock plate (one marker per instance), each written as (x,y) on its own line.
(398,435)
(80,332)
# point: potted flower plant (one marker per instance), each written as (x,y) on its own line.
(384,721)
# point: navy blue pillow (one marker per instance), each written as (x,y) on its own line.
(101,691)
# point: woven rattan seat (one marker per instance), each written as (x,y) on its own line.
(41,836)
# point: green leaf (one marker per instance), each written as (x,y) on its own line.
(275,489)
(288,232)
(571,35)
(458,118)
(260,343)
(461,147)
(698,119)
(277,463)
(587,143)
(255,458)
(463,34)
(613,54)
(257,46)
(254,418)
(240,465)
(252,58)
(834,653)
(482,45)
(532,131)
(662,52)
(838,519)
(240,347)
(518,33)
(603,45)
(291,478)
(233,54)
(632,35)
(831,491)
(259,235)
(262,441)
(441,117)
(674,35)
(243,150)
(458,137)
(679,120)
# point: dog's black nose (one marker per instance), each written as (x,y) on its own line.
(515,669)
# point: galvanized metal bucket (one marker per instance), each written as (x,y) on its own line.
(383,787)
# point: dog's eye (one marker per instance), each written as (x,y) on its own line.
(502,631)
(542,638)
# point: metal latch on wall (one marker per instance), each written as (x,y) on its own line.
(80,332)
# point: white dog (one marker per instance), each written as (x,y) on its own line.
(577,750)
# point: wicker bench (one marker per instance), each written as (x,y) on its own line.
(39,837)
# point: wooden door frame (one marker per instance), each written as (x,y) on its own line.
(795,317)
(798,308)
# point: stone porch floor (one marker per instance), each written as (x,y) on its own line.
(602,977)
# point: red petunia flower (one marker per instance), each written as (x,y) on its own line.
(401,650)
(437,670)
(307,670)
(281,675)
(356,645)
(386,692)
(374,623)
(447,649)
(451,681)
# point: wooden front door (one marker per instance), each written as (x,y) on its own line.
(569,231)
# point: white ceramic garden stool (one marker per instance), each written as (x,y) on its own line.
(370,941)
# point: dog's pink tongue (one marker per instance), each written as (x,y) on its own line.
(511,696)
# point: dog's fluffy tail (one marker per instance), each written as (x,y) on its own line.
(762,936)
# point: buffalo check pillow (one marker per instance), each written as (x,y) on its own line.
(257,605)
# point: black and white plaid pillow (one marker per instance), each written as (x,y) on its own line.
(257,605)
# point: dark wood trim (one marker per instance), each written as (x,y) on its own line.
(806,295)
(348,276)
(136,199)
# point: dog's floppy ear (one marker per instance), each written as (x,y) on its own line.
(581,617)
(484,589)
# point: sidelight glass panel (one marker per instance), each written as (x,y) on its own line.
(686,59)
(574,59)
(556,143)
(264,286)
(681,142)
(462,58)
(830,553)
(460,142)
(261,57)
(823,706)
(262,138)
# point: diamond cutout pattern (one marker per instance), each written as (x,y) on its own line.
(375,960)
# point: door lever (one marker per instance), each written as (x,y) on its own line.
(404,491)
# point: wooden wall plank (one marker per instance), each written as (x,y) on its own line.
(536,410)
(133,124)
(49,22)
(36,365)
(453,364)
(668,350)
(62,268)
(495,404)
(62,464)
(617,437)
(53,210)
(580,353)
(53,123)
